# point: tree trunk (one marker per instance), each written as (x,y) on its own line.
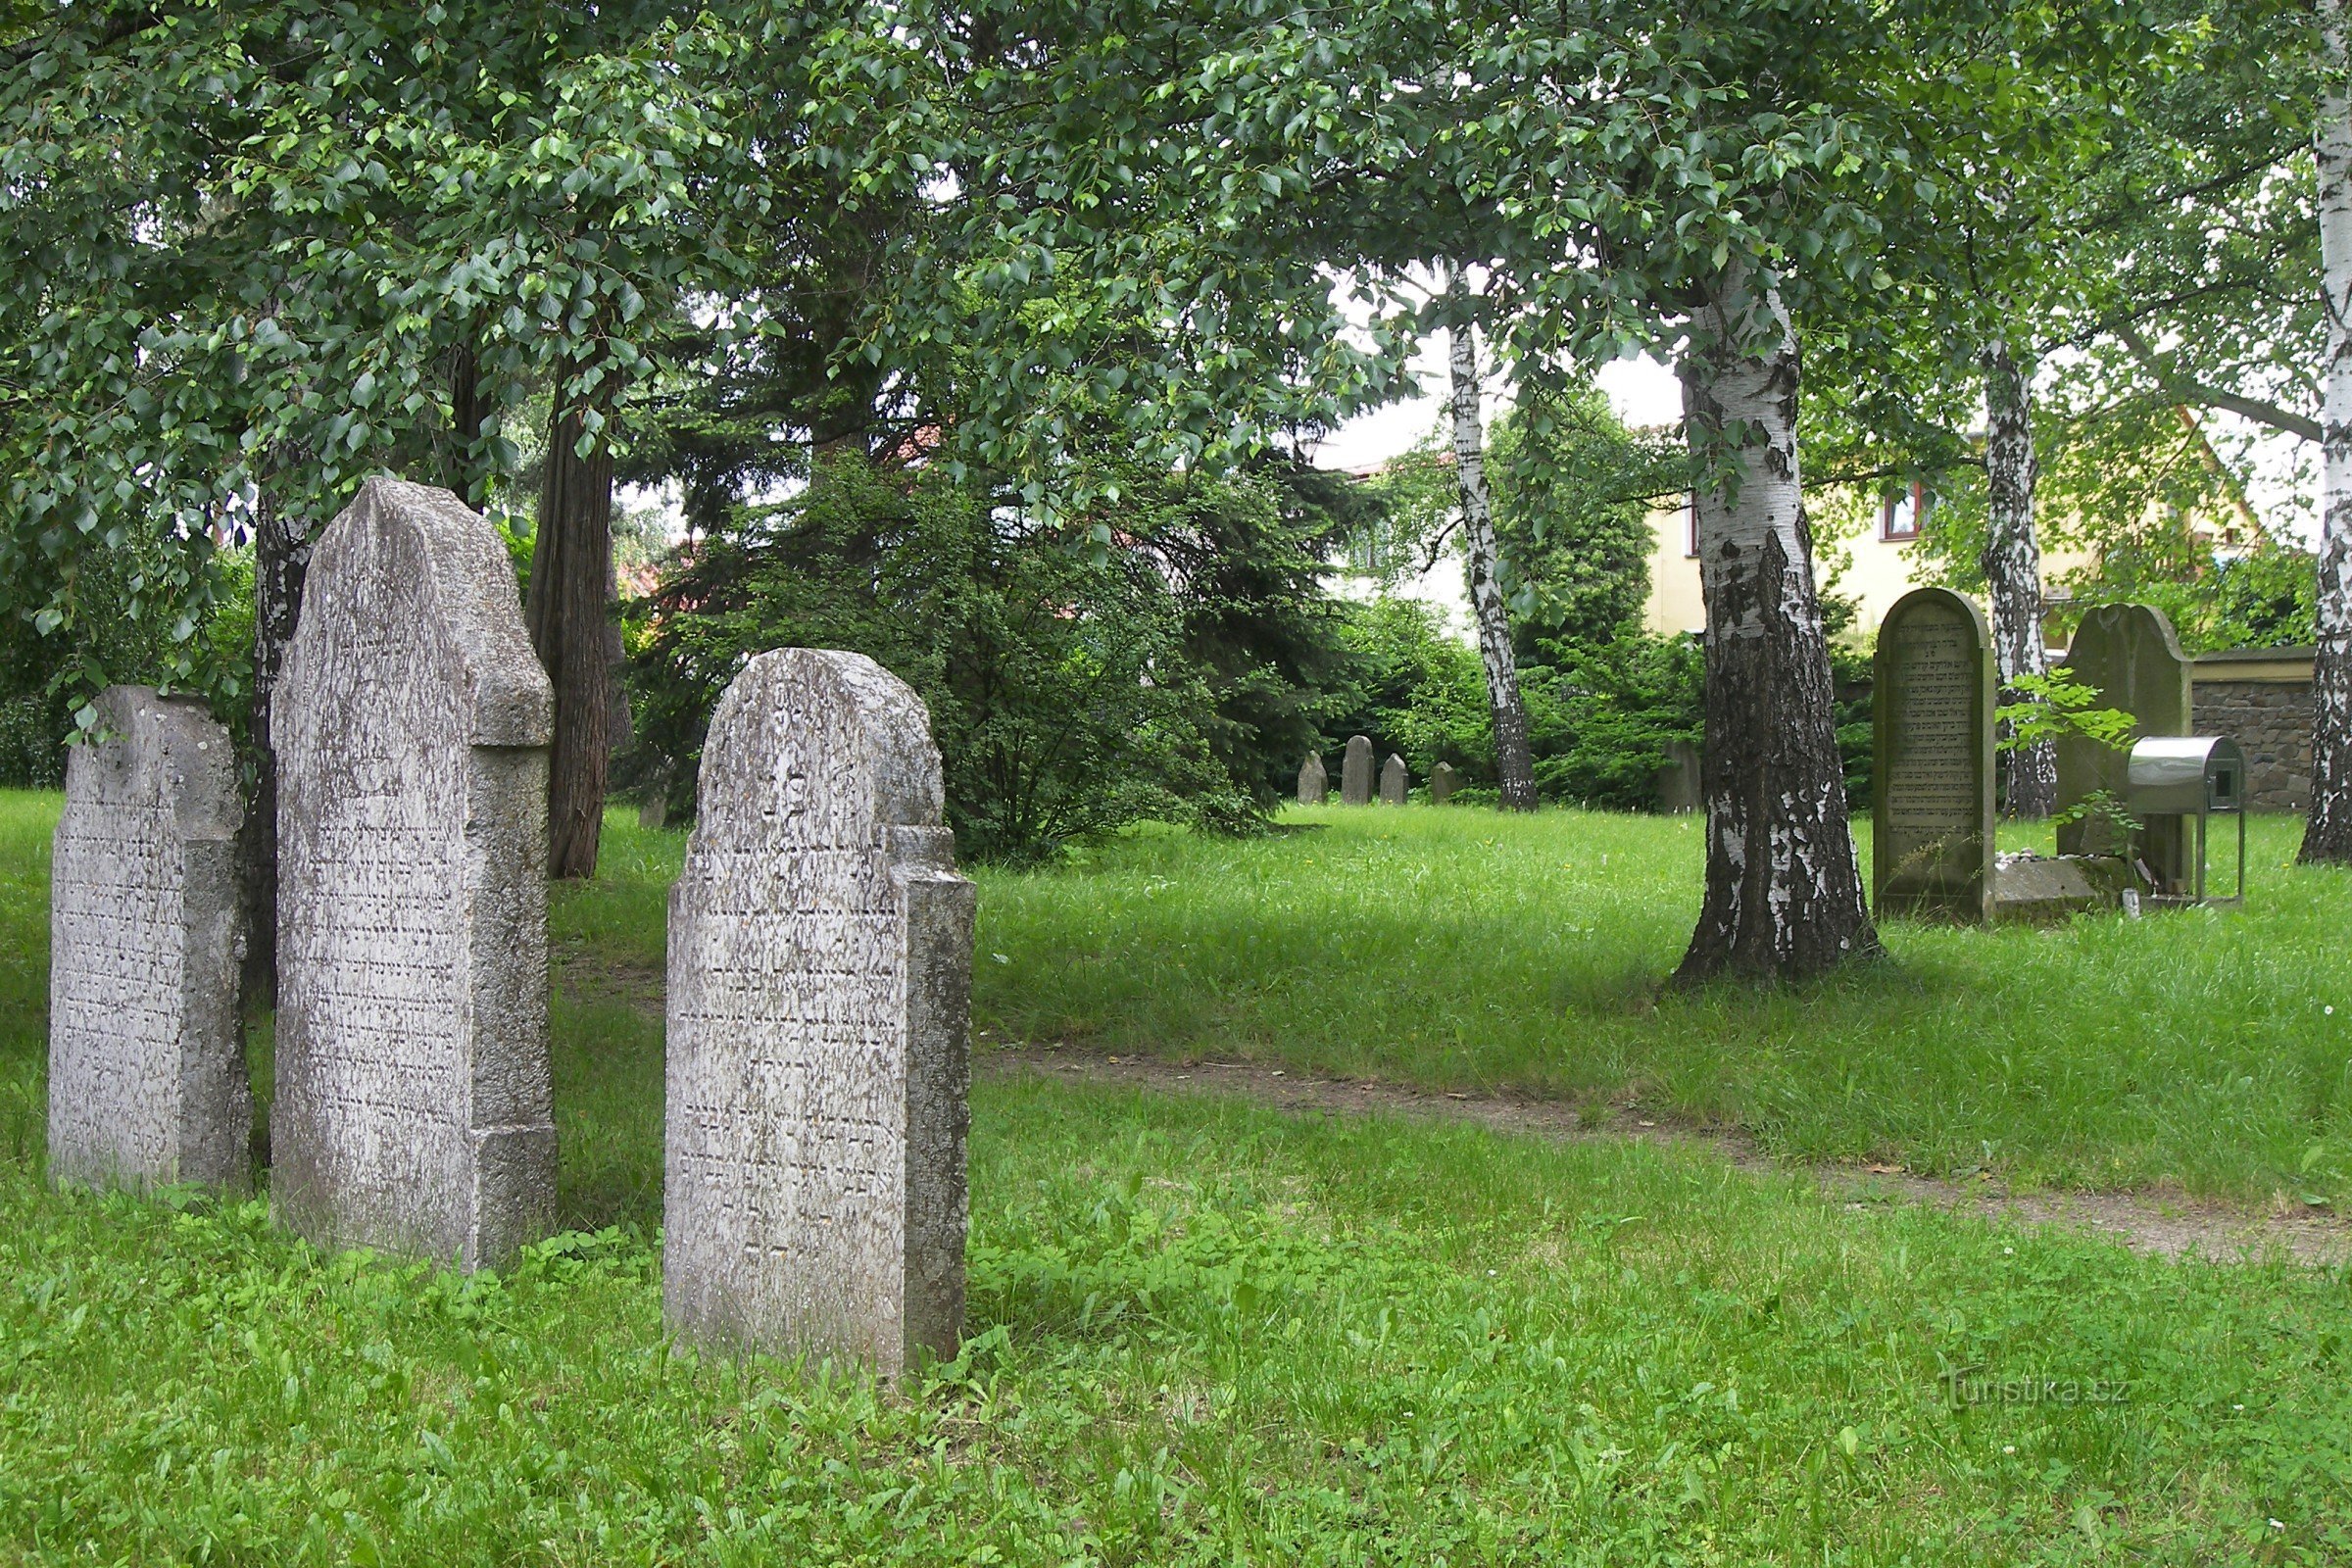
(1514,768)
(468,477)
(572,577)
(1784,890)
(2327,836)
(2013,570)
(282,559)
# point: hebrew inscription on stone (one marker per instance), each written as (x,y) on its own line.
(146,1063)
(412,1106)
(820,993)
(1933,841)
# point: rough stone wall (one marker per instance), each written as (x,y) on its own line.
(2272,722)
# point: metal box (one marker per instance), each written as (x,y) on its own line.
(2191,776)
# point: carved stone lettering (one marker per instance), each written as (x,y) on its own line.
(1355,772)
(412,1107)
(146,1061)
(819,995)
(1934,819)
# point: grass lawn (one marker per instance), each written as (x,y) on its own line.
(1201,1332)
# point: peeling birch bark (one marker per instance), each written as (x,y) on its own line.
(2012,564)
(2327,836)
(1783,891)
(1514,766)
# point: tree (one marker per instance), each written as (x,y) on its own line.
(2012,568)
(2327,835)
(1514,766)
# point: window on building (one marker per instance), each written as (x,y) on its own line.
(1900,511)
(1690,526)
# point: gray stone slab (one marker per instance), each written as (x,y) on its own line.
(2039,889)
(1677,780)
(1394,780)
(1442,782)
(1933,815)
(820,949)
(2129,655)
(147,1081)
(1355,772)
(413,1112)
(1314,785)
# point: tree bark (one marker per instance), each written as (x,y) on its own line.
(1514,766)
(2327,835)
(282,561)
(572,581)
(470,478)
(1784,888)
(2012,565)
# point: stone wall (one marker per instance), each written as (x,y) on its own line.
(2261,699)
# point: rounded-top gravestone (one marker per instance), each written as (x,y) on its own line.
(1933,817)
(146,1061)
(2131,656)
(1355,772)
(1394,780)
(1314,785)
(820,948)
(412,1106)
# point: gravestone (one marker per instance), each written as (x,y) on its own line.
(1355,772)
(1394,781)
(412,724)
(146,1059)
(820,950)
(1314,785)
(1442,782)
(1933,821)
(653,809)
(2130,656)
(1678,779)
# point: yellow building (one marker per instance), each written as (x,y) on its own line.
(1869,560)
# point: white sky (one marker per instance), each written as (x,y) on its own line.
(1643,391)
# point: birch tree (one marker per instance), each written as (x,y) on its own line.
(2012,565)
(1514,764)
(2327,835)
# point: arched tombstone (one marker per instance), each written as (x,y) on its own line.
(1314,785)
(820,950)
(1394,780)
(2130,656)
(413,1105)
(1933,700)
(146,1059)
(1355,772)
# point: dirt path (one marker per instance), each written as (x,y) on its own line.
(2149,1222)
(2169,1226)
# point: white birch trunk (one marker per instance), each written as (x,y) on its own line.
(2328,837)
(1514,766)
(2012,564)
(1784,889)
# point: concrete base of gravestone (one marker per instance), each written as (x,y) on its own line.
(147,1081)
(2032,890)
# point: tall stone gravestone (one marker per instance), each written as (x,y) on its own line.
(1314,785)
(1394,780)
(146,1061)
(412,725)
(2129,653)
(1678,779)
(1355,772)
(820,950)
(1933,820)
(1442,782)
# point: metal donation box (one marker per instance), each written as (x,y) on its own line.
(2191,776)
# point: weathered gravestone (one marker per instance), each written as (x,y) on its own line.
(412,725)
(653,806)
(1394,781)
(2129,653)
(1314,785)
(1355,772)
(820,949)
(1934,812)
(1678,779)
(146,1059)
(1442,782)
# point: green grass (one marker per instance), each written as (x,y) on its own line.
(1201,1332)
(1454,948)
